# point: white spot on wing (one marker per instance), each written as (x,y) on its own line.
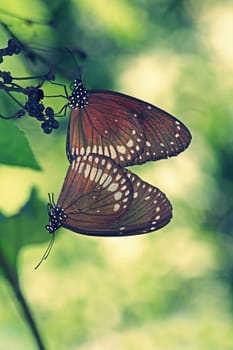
(86,171)
(93,173)
(80,168)
(116,207)
(121,149)
(98,175)
(109,165)
(113,187)
(118,196)
(106,151)
(112,152)
(129,143)
(118,177)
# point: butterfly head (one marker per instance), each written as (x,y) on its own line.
(78,98)
(56,216)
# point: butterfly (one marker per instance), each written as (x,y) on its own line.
(101,198)
(124,128)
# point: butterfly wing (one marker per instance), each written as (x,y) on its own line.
(149,210)
(101,198)
(110,126)
(95,192)
(104,128)
(165,135)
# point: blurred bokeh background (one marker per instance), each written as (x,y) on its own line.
(169,290)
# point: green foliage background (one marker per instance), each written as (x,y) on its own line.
(172,289)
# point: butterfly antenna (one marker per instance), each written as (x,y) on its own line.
(51,199)
(75,62)
(47,252)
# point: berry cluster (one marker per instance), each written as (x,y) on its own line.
(36,109)
(12,48)
(34,94)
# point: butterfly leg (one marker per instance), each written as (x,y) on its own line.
(60,95)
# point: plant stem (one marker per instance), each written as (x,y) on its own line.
(12,279)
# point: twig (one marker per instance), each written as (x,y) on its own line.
(22,301)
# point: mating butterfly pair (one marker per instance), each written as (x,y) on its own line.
(107,131)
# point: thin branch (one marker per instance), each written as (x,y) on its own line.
(22,301)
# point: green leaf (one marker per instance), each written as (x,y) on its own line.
(24,228)
(15,148)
